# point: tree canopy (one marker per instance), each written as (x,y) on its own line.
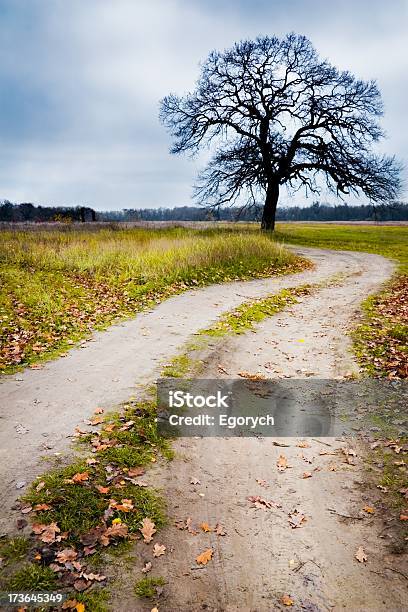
(273,113)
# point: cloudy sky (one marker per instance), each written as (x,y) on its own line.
(80,82)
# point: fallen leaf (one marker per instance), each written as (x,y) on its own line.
(360,555)
(369,509)
(126,505)
(158,550)
(147,567)
(96,420)
(81,585)
(287,601)
(205,527)
(47,532)
(260,502)
(102,490)
(68,554)
(147,530)
(42,507)
(282,463)
(307,475)
(40,486)
(403,517)
(205,557)
(262,483)
(69,604)
(250,376)
(80,477)
(303,444)
(296,519)
(99,411)
(92,577)
(219,530)
(137,471)
(80,607)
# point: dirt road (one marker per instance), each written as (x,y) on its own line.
(262,559)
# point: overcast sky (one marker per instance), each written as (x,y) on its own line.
(80,82)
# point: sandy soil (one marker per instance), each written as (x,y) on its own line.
(261,558)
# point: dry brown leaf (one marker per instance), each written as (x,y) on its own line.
(137,471)
(96,420)
(282,463)
(307,475)
(48,532)
(126,505)
(205,557)
(158,550)
(40,486)
(102,490)
(205,527)
(260,502)
(303,444)
(92,577)
(68,554)
(403,517)
(41,507)
(262,483)
(369,509)
(360,555)
(117,530)
(147,530)
(147,567)
(296,519)
(80,477)
(287,601)
(250,376)
(81,585)
(69,604)
(219,530)
(99,411)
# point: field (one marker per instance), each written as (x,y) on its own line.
(59,284)
(388,240)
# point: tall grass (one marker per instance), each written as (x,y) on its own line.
(57,285)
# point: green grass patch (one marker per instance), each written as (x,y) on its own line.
(147,587)
(13,549)
(94,601)
(59,285)
(31,577)
(248,314)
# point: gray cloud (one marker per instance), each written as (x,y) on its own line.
(80,85)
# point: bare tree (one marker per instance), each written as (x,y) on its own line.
(273,113)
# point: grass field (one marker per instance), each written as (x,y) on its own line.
(390,241)
(59,284)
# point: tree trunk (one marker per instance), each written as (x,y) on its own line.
(269,211)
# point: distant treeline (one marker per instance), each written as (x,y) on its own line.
(397,211)
(30,212)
